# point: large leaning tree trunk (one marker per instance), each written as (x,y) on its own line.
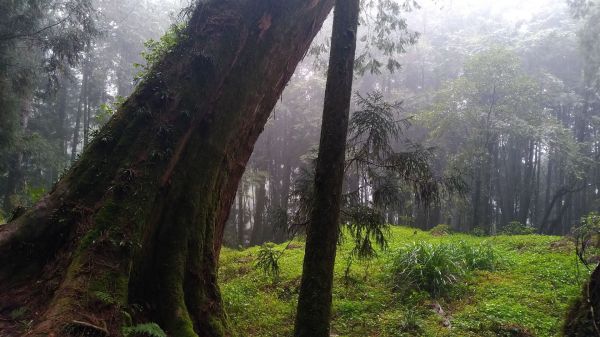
(314,300)
(137,222)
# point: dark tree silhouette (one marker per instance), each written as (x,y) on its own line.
(314,302)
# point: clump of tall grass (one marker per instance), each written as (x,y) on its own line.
(481,256)
(438,268)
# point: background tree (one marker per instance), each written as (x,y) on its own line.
(38,40)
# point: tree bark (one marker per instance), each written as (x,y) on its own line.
(476,201)
(314,302)
(80,109)
(138,220)
(257,236)
(61,111)
(583,318)
(528,184)
(281,233)
(241,216)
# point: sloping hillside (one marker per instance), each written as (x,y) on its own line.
(526,294)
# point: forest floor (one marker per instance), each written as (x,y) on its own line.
(527,295)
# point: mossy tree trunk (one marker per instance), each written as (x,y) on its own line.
(137,222)
(583,319)
(314,301)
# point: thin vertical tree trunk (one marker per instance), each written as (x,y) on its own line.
(476,201)
(16,174)
(80,109)
(241,216)
(527,187)
(281,234)
(257,236)
(62,117)
(314,302)
(86,110)
(536,192)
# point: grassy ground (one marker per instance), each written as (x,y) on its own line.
(527,296)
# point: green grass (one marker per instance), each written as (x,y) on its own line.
(529,291)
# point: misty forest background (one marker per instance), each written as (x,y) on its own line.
(472,120)
(503,96)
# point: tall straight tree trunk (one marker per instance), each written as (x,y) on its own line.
(314,301)
(281,234)
(16,174)
(257,236)
(476,201)
(528,184)
(547,206)
(86,115)
(87,67)
(138,220)
(79,115)
(61,111)
(536,192)
(241,216)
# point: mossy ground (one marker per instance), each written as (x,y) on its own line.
(527,296)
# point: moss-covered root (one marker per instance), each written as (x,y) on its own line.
(583,318)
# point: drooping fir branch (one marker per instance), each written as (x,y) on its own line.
(375,132)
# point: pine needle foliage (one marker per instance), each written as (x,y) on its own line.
(367,228)
(268,260)
(374,125)
(375,130)
(302,194)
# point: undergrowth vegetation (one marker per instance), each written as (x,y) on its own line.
(505,285)
(439,268)
(145,330)
(517,228)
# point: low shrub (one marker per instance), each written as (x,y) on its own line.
(440,230)
(406,220)
(478,231)
(479,257)
(268,260)
(517,228)
(587,239)
(427,267)
(410,321)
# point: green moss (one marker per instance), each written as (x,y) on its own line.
(113,285)
(218,325)
(527,296)
(89,238)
